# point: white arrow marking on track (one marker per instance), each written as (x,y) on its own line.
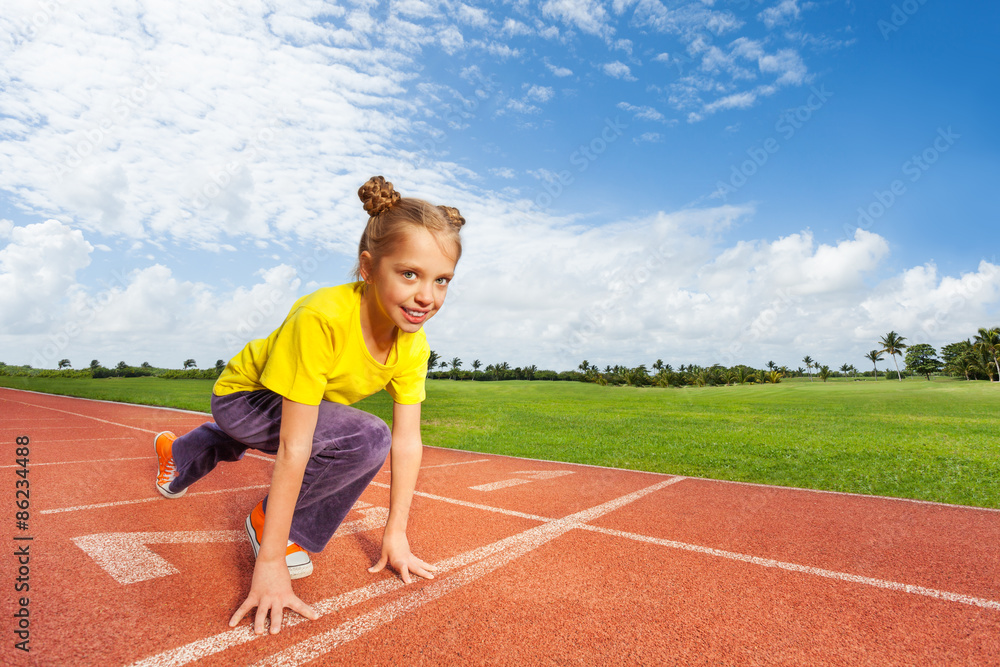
(128,560)
(532,475)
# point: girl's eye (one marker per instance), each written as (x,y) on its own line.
(442,281)
(409,275)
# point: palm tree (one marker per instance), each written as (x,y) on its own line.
(808,361)
(989,341)
(845,369)
(739,374)
(874,356)
(432,360)
(456,363)
(892,343)
(476,364)
(824,373)
(771,366)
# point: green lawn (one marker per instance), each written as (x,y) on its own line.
(917,439)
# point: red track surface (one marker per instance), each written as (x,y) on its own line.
(573,564)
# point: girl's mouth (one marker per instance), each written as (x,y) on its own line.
(414,316)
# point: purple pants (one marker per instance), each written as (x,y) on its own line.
(349,448)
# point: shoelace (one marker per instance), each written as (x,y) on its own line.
(168,471)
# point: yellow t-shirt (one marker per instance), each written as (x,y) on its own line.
(319,352)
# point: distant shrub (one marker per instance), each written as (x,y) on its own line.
(191,374)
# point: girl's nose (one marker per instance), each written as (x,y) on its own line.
(425,295)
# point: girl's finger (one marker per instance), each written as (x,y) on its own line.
(241,612)
(422,571)
(424,564)
(303,609)
(258,624)
(377,567)
(276,612)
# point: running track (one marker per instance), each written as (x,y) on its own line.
(539,563)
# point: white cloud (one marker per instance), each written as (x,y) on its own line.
(734,101)
(38,267)
(525,105)
(587,15)
(474,16)
(514,28)
(667,286)
(662,286)
(782,13)
(787,63)
(559,71)
(539,93)
(643,112)
(927,307)
(723,75)
(618,70)
(234,119)
(649,138)
(503,172)
(451,40)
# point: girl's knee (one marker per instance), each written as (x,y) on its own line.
(377,437)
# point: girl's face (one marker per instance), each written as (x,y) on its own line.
(410,283)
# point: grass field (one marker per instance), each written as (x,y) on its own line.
(916,439)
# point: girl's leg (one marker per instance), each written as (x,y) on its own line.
(197,453)
(349,448)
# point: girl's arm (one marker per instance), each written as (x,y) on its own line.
(271,587)
(405,463)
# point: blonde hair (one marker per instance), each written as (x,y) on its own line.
(390,215)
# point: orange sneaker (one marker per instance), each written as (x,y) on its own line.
(296,558)
(163,443)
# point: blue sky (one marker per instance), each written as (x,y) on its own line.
(695,181)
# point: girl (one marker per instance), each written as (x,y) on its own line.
(289,394)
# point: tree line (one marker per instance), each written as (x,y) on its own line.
(975,358)
(972,359)
(97,370)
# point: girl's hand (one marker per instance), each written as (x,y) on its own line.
(396,552)
(271,591)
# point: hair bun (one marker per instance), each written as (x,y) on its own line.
(453,216)
(377,195)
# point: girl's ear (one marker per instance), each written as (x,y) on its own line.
(365,263)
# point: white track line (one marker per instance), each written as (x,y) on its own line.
(727,481)
(60,463)
(523,458)
(40,441)
(128,560)
(502,484)
(203,648)
(458,463)
(441,465)
(509,549)
(478,506)
(77,414)
(148,500)
(794,567)
(98,400)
